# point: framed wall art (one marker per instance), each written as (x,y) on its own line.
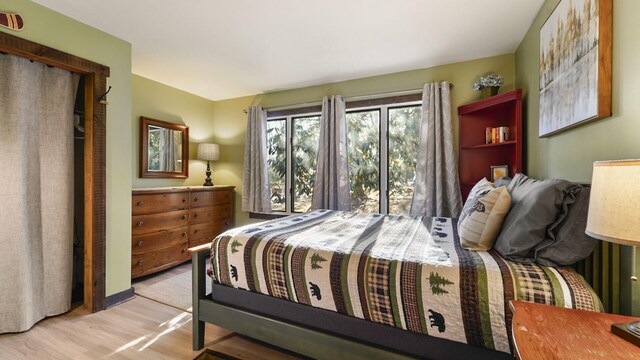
(575,65)
(499,171)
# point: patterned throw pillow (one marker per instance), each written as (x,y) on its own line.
(481,218)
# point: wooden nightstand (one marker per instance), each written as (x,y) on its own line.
(550,332)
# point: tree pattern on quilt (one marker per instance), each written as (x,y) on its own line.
(316,259)
(234,246)
(437,284)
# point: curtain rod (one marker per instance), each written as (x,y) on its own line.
(347,99)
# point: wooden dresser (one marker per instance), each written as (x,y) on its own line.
(168,221)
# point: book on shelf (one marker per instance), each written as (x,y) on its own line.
(496,135)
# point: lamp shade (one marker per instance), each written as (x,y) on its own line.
(614,205)
(208,151)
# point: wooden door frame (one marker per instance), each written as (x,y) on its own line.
(95,76)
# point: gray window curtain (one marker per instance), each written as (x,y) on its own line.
(437,187)
(331,187)
(255,190)
(36,216)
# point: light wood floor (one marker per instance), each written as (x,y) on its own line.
(137,329)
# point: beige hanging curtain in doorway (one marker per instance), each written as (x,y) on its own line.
(36,191)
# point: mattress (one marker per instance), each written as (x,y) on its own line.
(406,272)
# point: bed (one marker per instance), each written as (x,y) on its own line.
(330,284)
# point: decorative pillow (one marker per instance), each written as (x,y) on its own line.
(482,216)
(571,243)
(536,207)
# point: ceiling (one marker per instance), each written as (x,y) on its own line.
(225,49)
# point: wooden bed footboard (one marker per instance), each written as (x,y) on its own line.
(199,289)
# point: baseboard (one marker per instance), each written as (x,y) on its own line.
(118,298)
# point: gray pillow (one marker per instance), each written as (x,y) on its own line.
(571,243)
(536,207)
(503,181)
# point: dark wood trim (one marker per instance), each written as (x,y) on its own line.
(266,216)
(28,49)
(119,298)
(383,101)
(605,50)
(296,111)
(99,181)
(95,76)
(143,157)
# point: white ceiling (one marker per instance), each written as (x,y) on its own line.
(223,49)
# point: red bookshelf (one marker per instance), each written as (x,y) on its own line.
(476,157)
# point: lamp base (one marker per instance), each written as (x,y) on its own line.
(629,331)
(207,181)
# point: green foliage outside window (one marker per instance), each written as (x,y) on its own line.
(404,146)
(363,144)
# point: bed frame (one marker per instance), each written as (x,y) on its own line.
(326,341)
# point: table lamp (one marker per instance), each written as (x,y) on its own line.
(209,152)
(614,216)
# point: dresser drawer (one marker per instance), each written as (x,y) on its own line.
(211,198)
(207,214)
(205,233)
(158,240)
(150,262)
(144,224)
(155,203)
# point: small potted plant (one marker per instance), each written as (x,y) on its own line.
(489,84)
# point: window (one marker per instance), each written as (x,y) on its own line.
(404,145)
(277,163)
(295,138)
(383,145)
(306,134)
(363,146)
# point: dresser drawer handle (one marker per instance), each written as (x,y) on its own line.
(226,223)
(195,231)
(184,216)
(184,234)
(184,251)
(140,203)
(195,215)
(140,243)
(141,262)
(184,200)
(195,198)
(140,223)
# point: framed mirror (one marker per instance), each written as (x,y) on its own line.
(164,149)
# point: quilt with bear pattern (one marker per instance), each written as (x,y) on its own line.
(401,271)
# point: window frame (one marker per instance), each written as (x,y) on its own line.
(382,105)
(399,106)
(289,118)
(383,110)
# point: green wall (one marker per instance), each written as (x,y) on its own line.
(158,101)
(229,119)
(52,29)
(570,154)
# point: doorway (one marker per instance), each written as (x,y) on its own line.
(92,217)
